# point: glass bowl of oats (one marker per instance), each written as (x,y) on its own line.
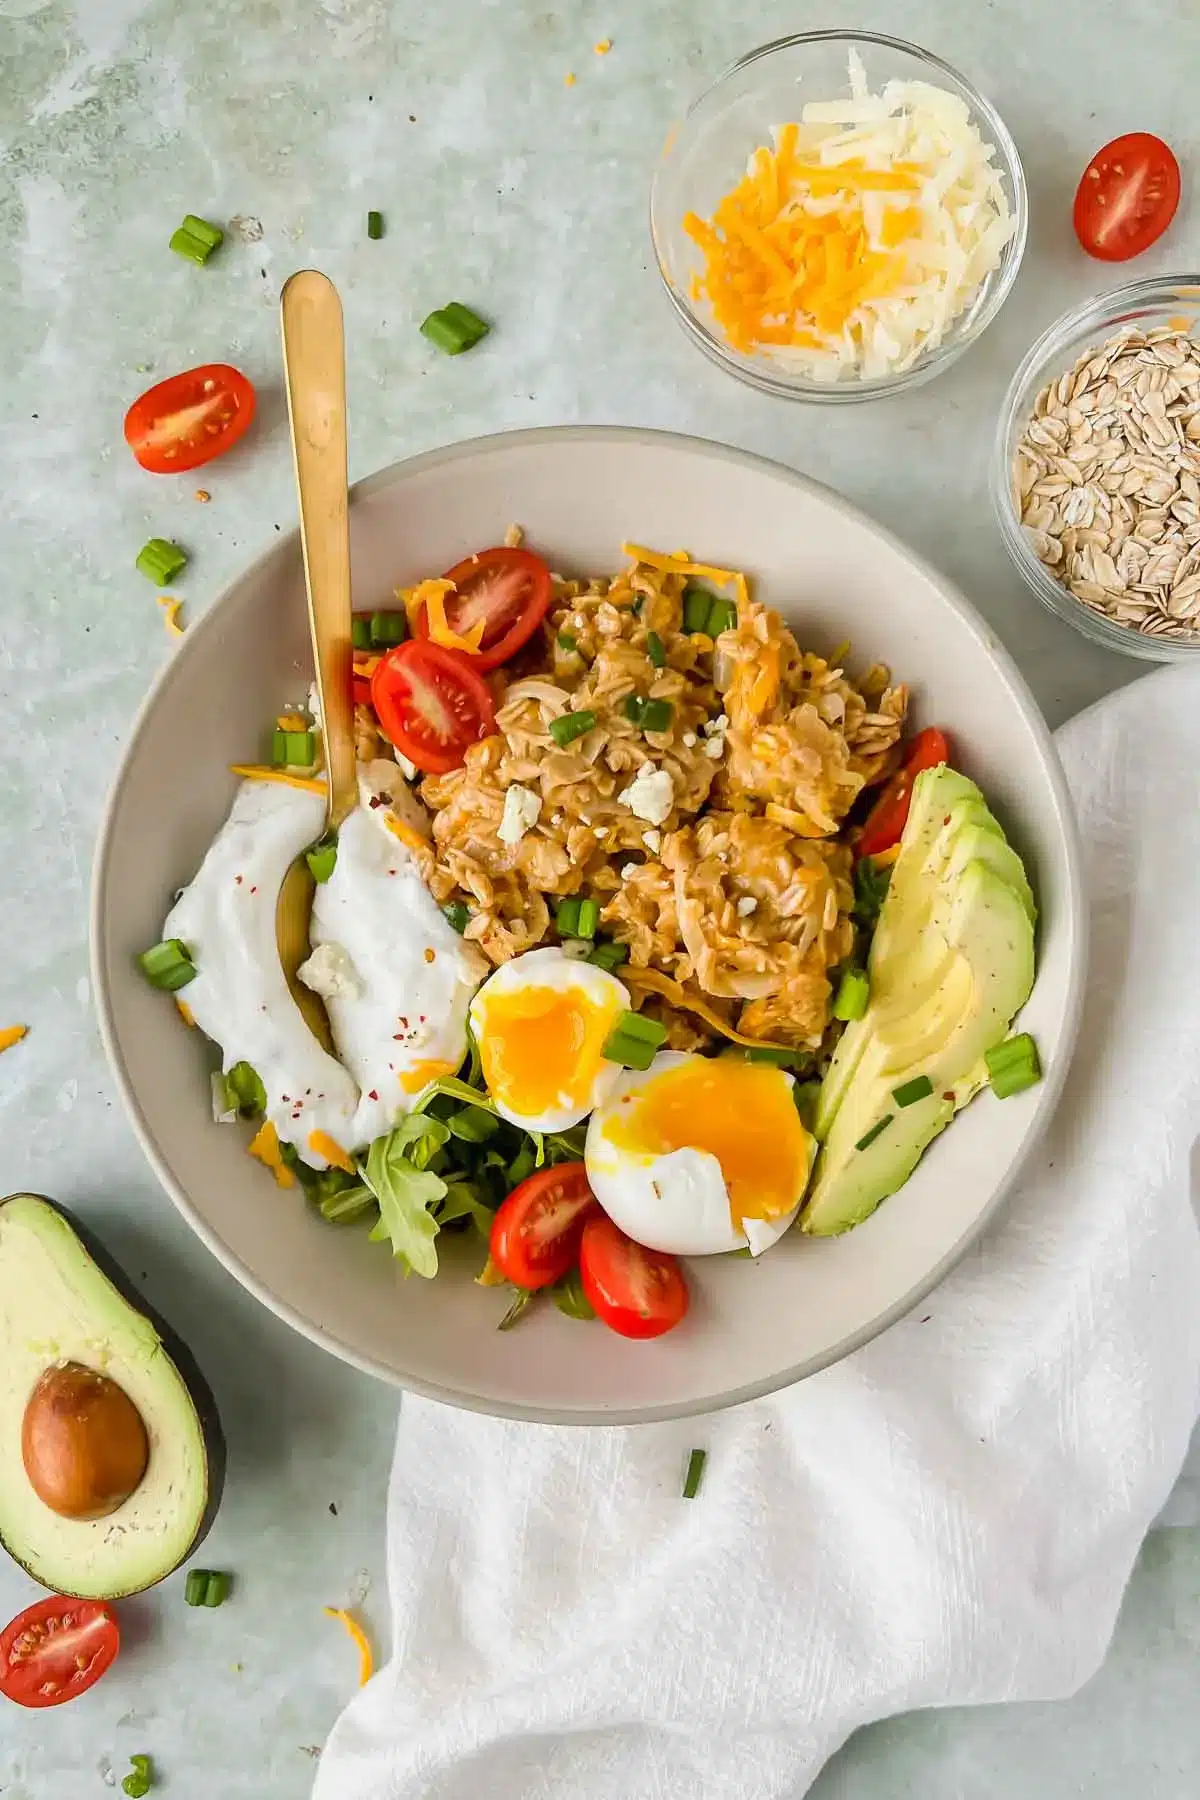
(1096,469)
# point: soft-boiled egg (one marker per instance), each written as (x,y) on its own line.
(541,1022)
(698,1155)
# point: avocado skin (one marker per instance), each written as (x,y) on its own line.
(185,1363)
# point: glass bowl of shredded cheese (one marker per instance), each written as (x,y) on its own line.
(838,217)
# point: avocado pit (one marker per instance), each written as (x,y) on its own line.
(83,1442)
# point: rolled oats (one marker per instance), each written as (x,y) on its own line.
(1106,478)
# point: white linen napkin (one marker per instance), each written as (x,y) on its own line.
(948,1516)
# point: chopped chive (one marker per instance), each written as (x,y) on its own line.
(566,917)
(569,1297)
(458,915)
(454,328)
(909,1092)
(589,918)
(374,224)
(360,633)
(168,965)
(697,604)
(608,955)
(569,726)
(853,993)
(322,859)
(695,1474)
(656,650)
(196,239)
(868,1137)
(722,616)
(388,629)
(566,640)
(196,1587)
(656,715)
(216,1588)
(160,561)
(634,1040)
(1013,1066)
(781,1058)
(633,708)
(245,1085)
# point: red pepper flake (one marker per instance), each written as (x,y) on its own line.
(374,801)
(254,890)
(372,1095)
(397,1037)
(238,879)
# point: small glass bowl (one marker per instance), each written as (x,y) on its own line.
(1143,305)
(706,154)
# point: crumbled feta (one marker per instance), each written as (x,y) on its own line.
(628,871)
(330,973)
(521,809)
(716,727)
(714,747)
(689,738)
(652,841)
(746,905)
(650,795)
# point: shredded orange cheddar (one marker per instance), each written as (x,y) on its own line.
(358,1637)
(322,1144)
(12,1034)
(186,1013)
(440,629)
(265,1147)
(408,834)
(171,618)
(416,599)
(678,995)
(291,722)
(680,563)
(259,772)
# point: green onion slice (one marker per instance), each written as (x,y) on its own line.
(160,561)
(374,224)
(168,965)
(853,994)
(656,650)
(566,917)
(322,859)
(458,915)
(454,328)
(566,640)
(722,616)
(1013,1066)
(608,955)
(634,1041)
(695,1474)
(909,1092)
(589,918)
(360,634)
(868,1137)
(697,604)
(388,629)
(196,239)
(569,726)
(656,715)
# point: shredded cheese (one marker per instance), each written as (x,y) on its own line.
(264,1146)
(11,1034)
(259,772)
(291,722)
(321,1144)
(858,236)
(358,1637)
(678,995)
(171,617)
(440,630)
(186,1013)
(680,563)
(416,599)
(408,834)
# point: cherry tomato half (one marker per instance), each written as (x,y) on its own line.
(56,1650)
(508,589)
(536,1231)
(189,419)
(1127,197)
(638,1293)
(431,704)
(889,815)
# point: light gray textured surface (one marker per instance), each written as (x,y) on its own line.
(503,187)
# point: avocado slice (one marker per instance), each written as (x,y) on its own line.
(64,1302)
(982,922)
(972,833)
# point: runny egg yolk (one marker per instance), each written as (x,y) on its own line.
(541,1045)
(742,1113)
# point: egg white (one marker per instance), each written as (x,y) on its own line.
(550,968)
(675,1201)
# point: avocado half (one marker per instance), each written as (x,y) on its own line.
(63,1299)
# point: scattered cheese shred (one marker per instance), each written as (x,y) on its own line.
(408,834)
(358,1637)
(678,995)
(171,617)
(291,722)
(321,1144)
(678,562)
(264,1146)
(569,79)
(856,238)
(365,666)
(603,47)
(11,1034)
(440,630)
(186,1013)
(259,772)
(415,600)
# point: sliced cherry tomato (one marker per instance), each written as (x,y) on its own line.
(536,1232)
(639,1293)
(1127,197)
(431,704)
(56,1649)
(508,589)
(889,815)
(189,419)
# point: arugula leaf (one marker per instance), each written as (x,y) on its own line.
(455,1090)
(462,1201)
(406,1189)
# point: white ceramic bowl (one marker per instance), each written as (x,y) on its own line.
(580,492)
